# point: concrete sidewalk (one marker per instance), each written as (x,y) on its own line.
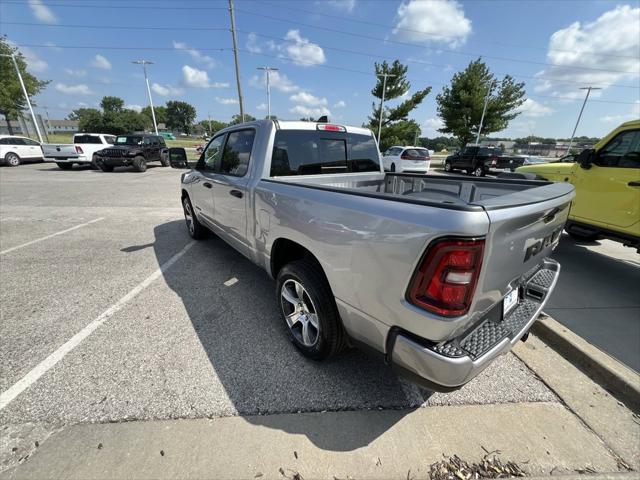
(541,437)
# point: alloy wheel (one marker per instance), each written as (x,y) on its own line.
(300,313)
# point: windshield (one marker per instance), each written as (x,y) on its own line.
(129,140)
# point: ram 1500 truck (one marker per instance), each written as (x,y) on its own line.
(439,275)
(82,151)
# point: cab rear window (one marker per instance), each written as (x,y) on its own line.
(312,152)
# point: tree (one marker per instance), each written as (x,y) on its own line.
(12,100)
(112,104)
(209,127)
(236,119)
(180,116)
(160,111)
(79,113)
(460,104)
(89,120)
(397,129)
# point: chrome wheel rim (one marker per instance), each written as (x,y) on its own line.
(12,159)
(478,172)
(188,216)
(447,167)
(300,313)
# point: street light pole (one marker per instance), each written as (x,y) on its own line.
(144,64)
(484,111)
(26,95)
(235,57)
(384,88)
(588,89)
(267,70)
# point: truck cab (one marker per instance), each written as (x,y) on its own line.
(607,182)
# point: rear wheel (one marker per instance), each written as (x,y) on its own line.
(139,164)
(478,171)
(12,159)
(195,228)
(309,310)
(164,159)
(447,166)
(393,167)
(64,166)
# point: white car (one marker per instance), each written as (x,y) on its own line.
(406,159)
(81,151)
(13,150)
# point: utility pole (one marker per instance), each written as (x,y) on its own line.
(484,111)
(210,129)
(588,89)
(26,95)
(235,57)
(267,70)
(384,89)
(144,64)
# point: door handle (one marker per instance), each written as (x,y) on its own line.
(207,184)
(634,184)
(236,193)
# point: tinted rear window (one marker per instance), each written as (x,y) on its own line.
(416,152)
(312,152)
(86,139)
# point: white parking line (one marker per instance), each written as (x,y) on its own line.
(231,281)
(50,236)
(30,378)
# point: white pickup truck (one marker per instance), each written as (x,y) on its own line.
(80,152)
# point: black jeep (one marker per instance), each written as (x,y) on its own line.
(136,149)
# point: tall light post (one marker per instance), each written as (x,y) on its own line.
(266,71)
(144,64)
(235,57)
(26,95)
(384,89)
(484,110)
(588,89)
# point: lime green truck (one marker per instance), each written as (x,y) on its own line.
(607,183)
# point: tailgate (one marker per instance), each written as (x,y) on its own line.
(524,229)
(51,150)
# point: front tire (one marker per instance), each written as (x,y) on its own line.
(139,164)
(104,167)
(164,159)
(196,230)
(12,159)
(309,310)
(447,167)
(64,166)
(478,172)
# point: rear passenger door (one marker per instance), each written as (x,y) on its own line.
(32,149)
(231,188)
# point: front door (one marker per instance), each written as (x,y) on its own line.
(202,189)
(230,191)
(609,192)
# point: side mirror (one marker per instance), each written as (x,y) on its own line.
(586,158)
(178,158)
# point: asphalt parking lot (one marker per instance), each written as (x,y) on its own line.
(122,317)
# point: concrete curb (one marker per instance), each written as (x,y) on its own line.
(592,476)
(621,381)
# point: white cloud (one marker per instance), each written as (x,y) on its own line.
(262,106)
(308,99)
(42,12)
(632,115)
(439,21)
(34,62)
(166,89)
(277,80)
(135,108)
(432,125)
(53,46)
(193,77)
(607,48)
(252,43)
(198,56)
(301,50)
(101,62)
(345,5)
(310,112)
(80,89)
(531,108)
(226,101)
(340,104)
(75,73)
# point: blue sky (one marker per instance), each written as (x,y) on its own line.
(325,49)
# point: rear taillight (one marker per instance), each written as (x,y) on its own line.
(446,279)
(79,149)
(494,161)
(408,157)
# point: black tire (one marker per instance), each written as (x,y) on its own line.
(393,167)
(447,167)
(64,166)
(164,159)
(94,163)
(139,164)
(330,337)
(196,230)
(12,159)
(478,171)
(104,167)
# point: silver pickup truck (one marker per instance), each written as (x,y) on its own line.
(438,274)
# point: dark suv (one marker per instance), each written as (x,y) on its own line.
(136,149)
(480,160)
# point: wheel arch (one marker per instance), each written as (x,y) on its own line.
(285,251)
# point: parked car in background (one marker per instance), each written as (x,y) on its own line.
(533,160)
(440,275)
(167,135)
(568,158)
(607,181)
(80,152)
(406,159)
(14,150)
(479,161)
(135,150)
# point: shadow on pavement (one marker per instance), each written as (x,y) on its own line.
(244,337)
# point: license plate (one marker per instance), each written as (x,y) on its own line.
(510,301)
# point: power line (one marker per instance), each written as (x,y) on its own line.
(114,27)
(112,7)
(106,47)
